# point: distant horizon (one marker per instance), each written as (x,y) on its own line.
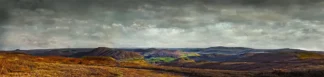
(156,48)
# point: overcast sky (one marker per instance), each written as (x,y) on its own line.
(30,24)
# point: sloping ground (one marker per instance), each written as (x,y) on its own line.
(280,73)
(72,70)
(309,55)
(65,53)
(168,53)
(192,72)
(117,54)
(68,70)
(55,52)
(158,56)
(242,66)
(213,57)
(18,65)
(225,50)
(280,56)
(262,62)
(23,65)
(183,60)
(268,57)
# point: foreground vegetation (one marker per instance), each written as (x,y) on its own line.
(19,64)
(309,55)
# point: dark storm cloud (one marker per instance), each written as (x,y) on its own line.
(4,17)
(162,23)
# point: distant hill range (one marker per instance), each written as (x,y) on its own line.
(115,53)
(199,54)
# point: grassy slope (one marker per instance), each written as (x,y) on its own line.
(18,65)
(161,59)
(70,70)
(30,66)
(198,72)
(309,55)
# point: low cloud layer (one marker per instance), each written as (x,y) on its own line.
(30,24)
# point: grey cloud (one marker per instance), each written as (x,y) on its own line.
(169,23)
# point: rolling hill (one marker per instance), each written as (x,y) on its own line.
(115,53)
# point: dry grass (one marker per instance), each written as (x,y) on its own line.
(308,73)
(22,65)
(309,55)
(70,70)
(197,72)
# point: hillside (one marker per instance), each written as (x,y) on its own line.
(115,53)
(55,52)
(168,53)
(300,60)
(213,57)
(18,64)
(95,64)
